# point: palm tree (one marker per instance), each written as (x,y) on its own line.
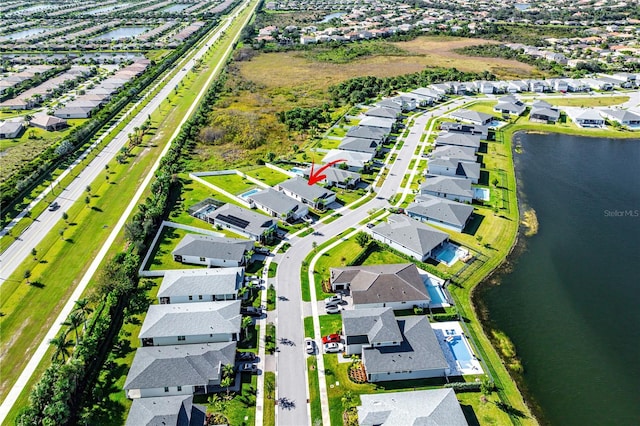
(246,323)
(74,321)
(82,306)
(61,345)
(227,376)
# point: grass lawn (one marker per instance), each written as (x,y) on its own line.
(347,196)
(314,390)
(330,324)
(161,258)
(232,183)
(337,131)
(328,143)
(380,257)
(269,176)
(241,409)
(308,327)
(269,416)
(588,101)
(273,270)
(485,107)
(339,256)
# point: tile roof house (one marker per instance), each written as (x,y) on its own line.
(440,211)
(398,286)
(10,129)
(471,116)
(417,356)
(47,122)
(360,145)
(447,187)
(212,251)
(178,370)
(423,407)
(409,236)
(458,139)
(200,285)
(245,222)
(444,166)
(186,323)
(73,112)
(166,410)
(311,195)
(277,204)
(366,328)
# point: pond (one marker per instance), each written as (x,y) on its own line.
(175,8)
(23,34)
(332,16)
(121,33)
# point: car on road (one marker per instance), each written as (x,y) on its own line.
(332,348)
(251,311)
(245,356)
(333,309)
(370,225)
(331,338)
(54,206)
(249,367)
(309,346)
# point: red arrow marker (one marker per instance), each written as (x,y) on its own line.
(316,176)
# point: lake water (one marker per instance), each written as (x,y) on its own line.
(522,6)
(571,303)
(23,34)
(175,8)
(331,16)
(120,33)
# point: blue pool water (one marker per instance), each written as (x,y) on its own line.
(298,171)
(448,254)
(482,194)
(460,350)
(250,193)
(436,294)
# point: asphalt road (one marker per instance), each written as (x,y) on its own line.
(291,359)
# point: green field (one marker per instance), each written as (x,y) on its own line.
(588,101)
(264,174)
(161,258)
(233,183)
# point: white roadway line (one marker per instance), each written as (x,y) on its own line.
(19,385)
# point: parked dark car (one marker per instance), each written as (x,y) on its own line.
(54,206)
(251,311)
(245,356)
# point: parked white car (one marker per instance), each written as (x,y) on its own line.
(331,348)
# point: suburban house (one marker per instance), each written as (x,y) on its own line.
(453,167)
(454,152)
(417,356)
(425,93)
(383,123)
(517,86)
(311,195)
(365,132)
(398,286)
(448,187)
(10,129)
(409,236)
(586,118)
(440,211)
(355,161)
(245,222)
(47,122)
(187,323)
(338,177)
(166,410)
(73,112)
(200,285)
(474,129)
(404,103)
(544,112)
(178,370)
(423,407)
(471,116)
(382,112)
(622,116)
(212,251)
(367,328)
(277,204)
(458,139)
(510,105)
(360,145)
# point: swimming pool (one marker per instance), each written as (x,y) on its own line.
(249,193)
(437,295)
(449,254)
(460,351)
(298,171)
(481,194)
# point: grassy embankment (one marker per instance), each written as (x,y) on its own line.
(87,228)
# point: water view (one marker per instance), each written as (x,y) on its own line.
(571,302)
(175,8)
(120,33)
(332,16)
(23,34)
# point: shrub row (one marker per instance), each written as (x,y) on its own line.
(464,386)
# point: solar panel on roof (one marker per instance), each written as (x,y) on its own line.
(233,220)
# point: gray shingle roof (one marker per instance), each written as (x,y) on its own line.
(249,221)
(435,407)
(382,112)
(622,115)
(382,283)
(458,152)
(378,324)
(366,132)
(358,145)
(301,187)
(458,139)
(418,351)
(353,158)
(538,111)
(440,209)
(463,169)
(189,319)
(383,123)
(179,365)
(471,115)
(185,282)
(212,247)
(276,201)
(410,233)
(166,411)
(447,185)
